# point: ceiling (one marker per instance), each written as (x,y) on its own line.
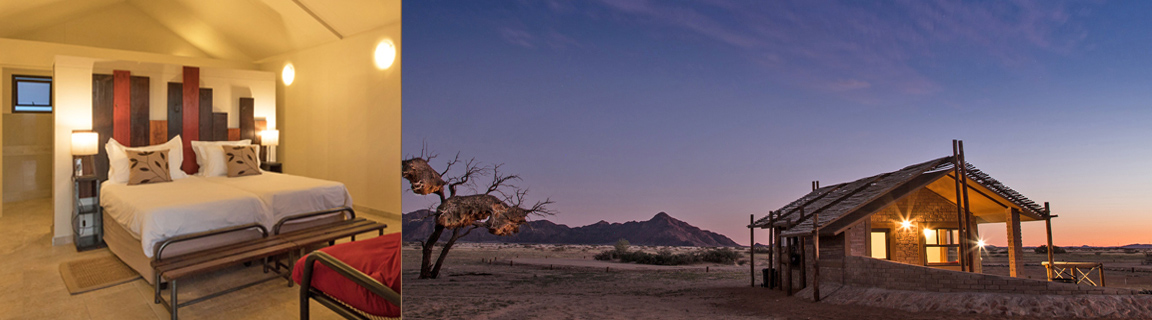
(242,30)
(985,204)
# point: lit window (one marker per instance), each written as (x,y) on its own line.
(942,246)
(879,242)
(31,94)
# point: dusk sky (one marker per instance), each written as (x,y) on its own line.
(714,110)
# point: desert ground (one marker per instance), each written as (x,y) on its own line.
(1123,269)
(514,281)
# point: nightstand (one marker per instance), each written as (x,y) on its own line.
(87,220)
(272,166)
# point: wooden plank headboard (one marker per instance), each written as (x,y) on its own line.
(120,109)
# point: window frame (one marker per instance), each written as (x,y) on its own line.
(956,245)
(29,78)
(887,243)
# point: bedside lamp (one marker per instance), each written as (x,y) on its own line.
(270,139)
(84,146)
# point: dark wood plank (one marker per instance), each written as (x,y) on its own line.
(338,235)
(121,107)
(206,132)
(102,101)
(324,229)
(140,125)
(158,131)
(223,262)
(191,124)
(247,119)
(175,109)
(220,126)
(198,257)
(233,134)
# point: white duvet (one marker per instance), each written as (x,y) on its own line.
(289,195)
(158,211)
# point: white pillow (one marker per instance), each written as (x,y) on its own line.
(210,156)
(118,160)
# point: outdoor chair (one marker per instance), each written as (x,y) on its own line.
(358,280)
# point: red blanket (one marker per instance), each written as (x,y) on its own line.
(377,257)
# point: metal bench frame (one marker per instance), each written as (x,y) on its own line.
(280,269)
(357,277)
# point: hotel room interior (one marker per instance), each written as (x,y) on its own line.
(128,126)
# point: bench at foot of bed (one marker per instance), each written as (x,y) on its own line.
(268,250)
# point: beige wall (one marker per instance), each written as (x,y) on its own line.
(27,160)
(340,118)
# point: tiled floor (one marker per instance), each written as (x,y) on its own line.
(31,287)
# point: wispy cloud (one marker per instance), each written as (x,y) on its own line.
(882,47)
(518,37)
(537,39)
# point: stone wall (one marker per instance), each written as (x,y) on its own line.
(925,209)
(869,272)
(831,259)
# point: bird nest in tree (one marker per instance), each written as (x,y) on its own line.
(421,177)
(461,211)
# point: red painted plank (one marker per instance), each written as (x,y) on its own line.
(121,107)
(191,117)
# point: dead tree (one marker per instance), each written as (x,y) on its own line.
(463,213)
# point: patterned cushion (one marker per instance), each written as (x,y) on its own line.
(241,160)
(148,167)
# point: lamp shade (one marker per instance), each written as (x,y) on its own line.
(85,142)
(270,137)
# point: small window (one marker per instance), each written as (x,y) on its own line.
(879,242)
(941,246)
(31,94)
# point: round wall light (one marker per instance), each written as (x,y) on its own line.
(288,74)
(385,54)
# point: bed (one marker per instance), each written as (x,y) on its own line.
(291,196)
(145,215)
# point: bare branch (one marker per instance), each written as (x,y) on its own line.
(541,208)
(450,164)
(472,168)
(499,180)
(426,153)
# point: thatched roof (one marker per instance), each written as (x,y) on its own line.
(859,199)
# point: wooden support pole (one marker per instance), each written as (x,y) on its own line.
(779,257)
(1048,226)
(803,245)
(816,256)
(968,235)
(752,247)
(788,264)
(959,204)
(1101,270)
(1015,253)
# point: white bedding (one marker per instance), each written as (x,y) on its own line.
(158,211)
(289,195)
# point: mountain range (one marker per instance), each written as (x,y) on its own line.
(661,230)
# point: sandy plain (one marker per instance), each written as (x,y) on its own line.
(515,281)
